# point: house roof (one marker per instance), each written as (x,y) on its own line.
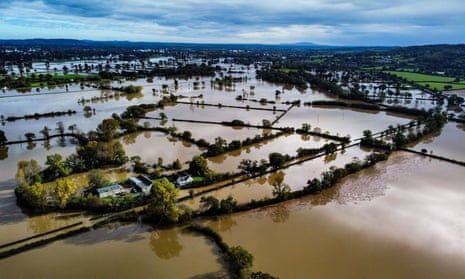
(111,188)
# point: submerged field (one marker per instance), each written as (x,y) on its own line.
(396,219)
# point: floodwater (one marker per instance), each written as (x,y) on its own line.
(295,176)
(403,218)
(341,121)
(120,251)
(395,220)
(286,144)
(150,146)
(447,143)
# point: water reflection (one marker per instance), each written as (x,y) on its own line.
(279,213)
(165,243)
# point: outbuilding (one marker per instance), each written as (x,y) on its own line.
(141,183)
(110,191)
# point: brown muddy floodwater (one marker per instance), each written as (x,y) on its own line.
(449,142)
(119,251)
(404,218)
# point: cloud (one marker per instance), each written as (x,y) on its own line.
(354,22)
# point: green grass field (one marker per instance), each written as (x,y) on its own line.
(435,82)
(421,77)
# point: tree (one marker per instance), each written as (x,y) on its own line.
(280,189)
(266,123)
(210,203)
(96,179)
(28,172)
(306,127)
(35,195)
(3,138)
(399,139)
(107,129)
(45,132)
(55,167)
(277,159)
(30,136)
(177,165)
(64,189)
(96,154)
(199,167)
(239,259)
(60,128)
(162,205)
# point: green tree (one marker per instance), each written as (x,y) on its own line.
(64,189)
(177,164)
(107,129)
(28,172)
(3,138)
(55,167)
(199,167)
(280,189)
(35,195)
(162,205)
(277,159)
(239,259)
(96,179)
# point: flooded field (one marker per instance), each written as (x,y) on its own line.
(339,121)
(150,146)
(120,251)
(448,143)
(286,144)
(396,220)
(295,176)
(391,221)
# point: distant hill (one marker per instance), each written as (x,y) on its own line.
(129,44)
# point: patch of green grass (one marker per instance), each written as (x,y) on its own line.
(421,77)
(433,81)
(287,70)
(441,85)
(198,178)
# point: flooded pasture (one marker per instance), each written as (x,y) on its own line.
(392,220)
(120,251)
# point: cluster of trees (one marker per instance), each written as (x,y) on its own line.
(333,175)
(41,115)
(275,160)
(187,70)
(30,175)
(3,139)
(221,146)
(198,166)
(306,130)
(13,81)
(327,148)
(38,196)
(433,122)
(344,104)
(239,260)
(296,78)
(163,208)
(213,206)
(130,89)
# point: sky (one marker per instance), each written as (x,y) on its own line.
(327,22)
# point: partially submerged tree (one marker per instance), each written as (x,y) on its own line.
(162,206)
(280,189)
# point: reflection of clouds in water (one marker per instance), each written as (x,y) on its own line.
(111,232)
(418,211)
